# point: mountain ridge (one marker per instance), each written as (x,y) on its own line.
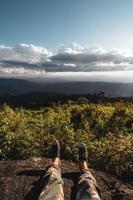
(19,86)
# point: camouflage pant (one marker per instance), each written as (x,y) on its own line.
(87,186)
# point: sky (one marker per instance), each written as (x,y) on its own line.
(66,35)
(51,22)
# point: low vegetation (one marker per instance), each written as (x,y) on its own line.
(107,130)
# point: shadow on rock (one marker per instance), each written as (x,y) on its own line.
(38,185)
(74,177)
(41,183)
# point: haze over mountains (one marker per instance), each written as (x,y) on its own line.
(69,69)
(20,86)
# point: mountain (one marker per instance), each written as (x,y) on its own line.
(20,86)
(17,86)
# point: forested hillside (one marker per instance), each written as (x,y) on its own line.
(107,130)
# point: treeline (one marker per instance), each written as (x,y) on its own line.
(107,130)
(41,99)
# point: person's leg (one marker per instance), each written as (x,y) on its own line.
(87,185)
(53,189)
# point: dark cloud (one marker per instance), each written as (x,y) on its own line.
(11,63)
(65,58)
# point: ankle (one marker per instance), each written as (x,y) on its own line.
(56,161)
(83,166)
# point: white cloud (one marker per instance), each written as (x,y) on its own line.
(71,57)
(7,53)
(94,58)
(20,70)
(70,49)
(24,53)
(31,53)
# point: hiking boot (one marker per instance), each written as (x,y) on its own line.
(55,149)
(82,152)
(83,157)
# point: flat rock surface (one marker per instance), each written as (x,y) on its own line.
(22,180)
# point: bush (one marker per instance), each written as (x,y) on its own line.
(106,130)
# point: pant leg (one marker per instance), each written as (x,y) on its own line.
(53,189)
(87,187)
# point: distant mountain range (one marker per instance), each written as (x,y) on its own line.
(20,86)
(33,93)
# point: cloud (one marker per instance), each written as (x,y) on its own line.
(20,70)
(94,58)
(74,57)
(24,53)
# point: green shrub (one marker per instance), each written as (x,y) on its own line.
(107,131)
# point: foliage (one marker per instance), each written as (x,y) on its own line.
(107,130)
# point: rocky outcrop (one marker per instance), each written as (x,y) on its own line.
(22,180)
